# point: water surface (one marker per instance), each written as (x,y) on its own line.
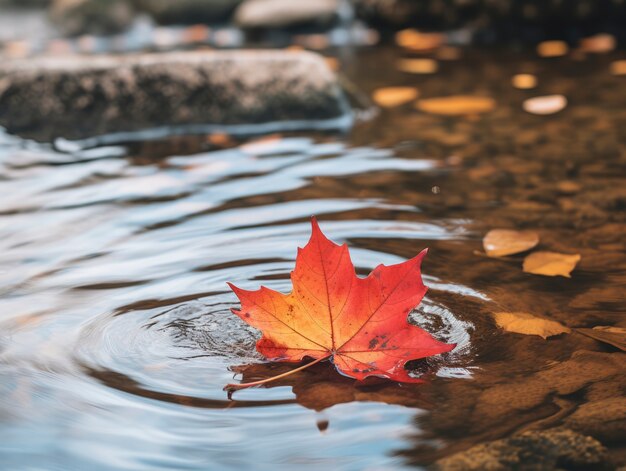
(116,336)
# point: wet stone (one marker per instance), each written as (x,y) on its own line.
(604,420)
(75,17)
(267,14)
(530,451)
(167,12)
(73,97)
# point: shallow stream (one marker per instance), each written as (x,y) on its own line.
(116,336)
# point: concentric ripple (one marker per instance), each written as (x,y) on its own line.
(116,322)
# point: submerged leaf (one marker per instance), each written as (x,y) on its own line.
(524,323)
(552,48)
(550,263)
(456,105)
(360,324)
(416,41)
(389,97)
(500,242)
(418,66)
(618,67)
(598,44)
(615,336)
(524,81)
(543,105)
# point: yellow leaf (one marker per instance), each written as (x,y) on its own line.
(418,66)
(448,53)
(524,323)
(524,81)
(457,105)
(618,67)
(598,44)
(500,242)
(615,336)
(416,41)
(552,48)
(550,263)
(543,105)
(389,97)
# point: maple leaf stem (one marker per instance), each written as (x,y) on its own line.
(233,387)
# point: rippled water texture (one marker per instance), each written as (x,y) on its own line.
(116,336)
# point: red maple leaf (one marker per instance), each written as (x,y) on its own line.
(360,324)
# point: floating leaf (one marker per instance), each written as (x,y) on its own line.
(418,66)
(456,105)
(550,263)
(524,81)
(552,48)
(524,323)
(359,324)
(500,242)
(542,105)
(615,336)
(389,97)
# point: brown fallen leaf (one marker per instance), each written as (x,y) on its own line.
(618,67)
(333,63)
(542,105)
(418,66)
(598,43)
(552,48)
(261,144)
(524,81)
(456,105)
(416,41)
(448,53)
(550,263)
(219,139)
(389,97)
(615,336)
(500,242)
(568,187)
(524,323)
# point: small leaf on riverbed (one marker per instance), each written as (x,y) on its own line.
(418,66)
(524,81)
(416,41)
(543,105)
(456,105)
(618,67)
(552,48)
(524,323)
(615,336)
(389,97)
(599,43)
(500,242)
(550,263)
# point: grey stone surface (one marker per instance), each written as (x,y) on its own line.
(530,451)
(74,17)
(78,97)
(188,11)
(268,14)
